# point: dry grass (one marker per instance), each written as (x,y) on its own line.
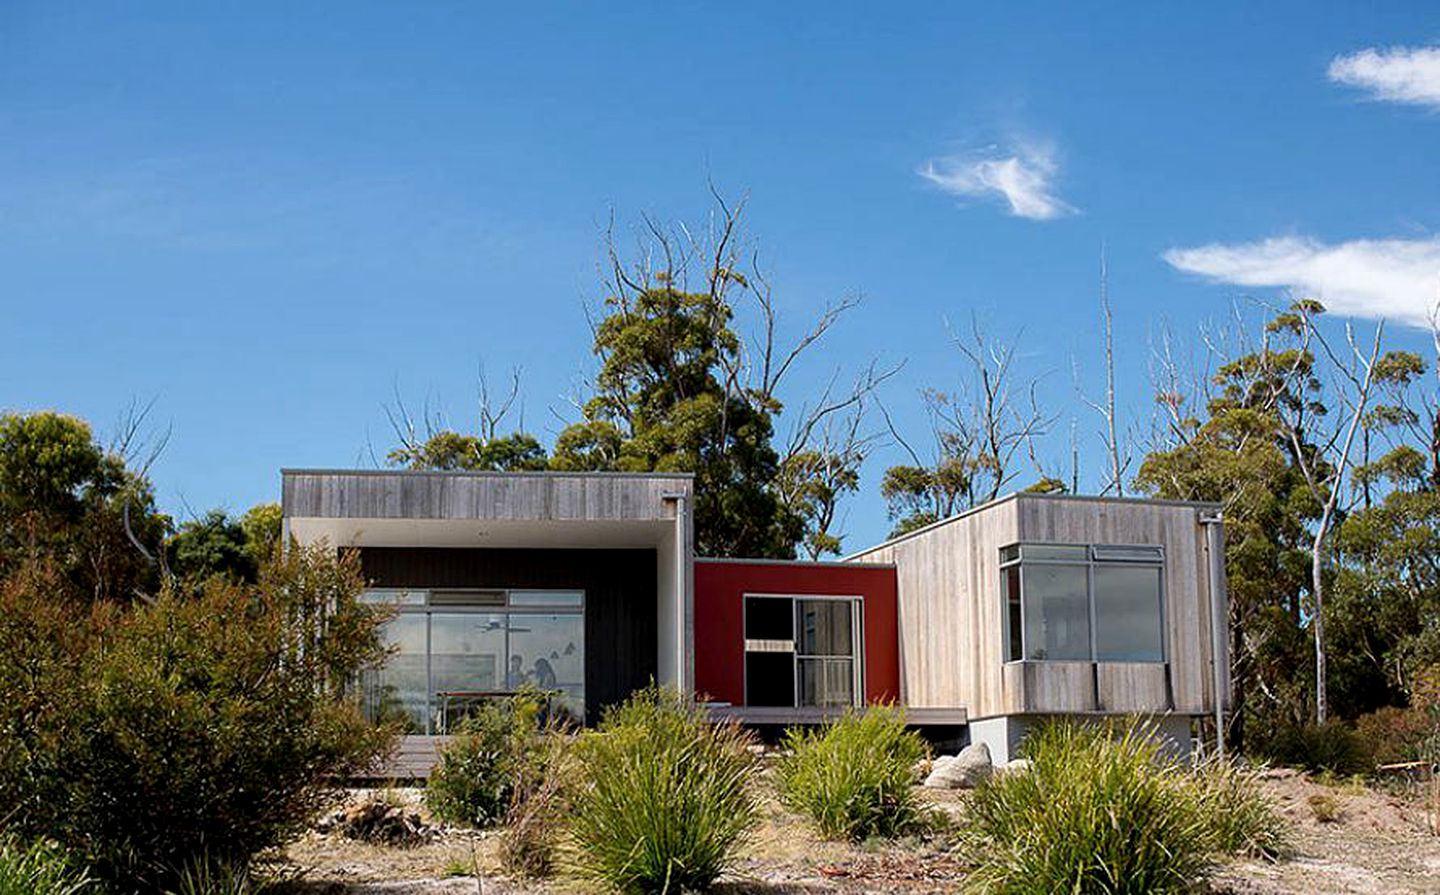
(1380,845)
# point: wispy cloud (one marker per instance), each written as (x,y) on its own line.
(1398,279)
(1023,176)
(1398,74)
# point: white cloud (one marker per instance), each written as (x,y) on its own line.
(1397,279)
(1024,178)
(1400,74)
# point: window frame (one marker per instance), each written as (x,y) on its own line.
(857,645)
(427,608)
(1093,558)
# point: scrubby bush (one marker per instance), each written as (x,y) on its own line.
(1324,807)
(663,797)
(1103,810)
(1241,819)
(494,746)
(209,720)
(39,868)
(1333,746)
(530,841)
(854,777)
(1397,734)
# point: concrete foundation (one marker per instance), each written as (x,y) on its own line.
(1003,734)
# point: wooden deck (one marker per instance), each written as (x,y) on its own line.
(415,756)
(748,714)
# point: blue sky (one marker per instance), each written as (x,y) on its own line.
(270,218)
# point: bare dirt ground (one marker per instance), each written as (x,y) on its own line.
(1379,844)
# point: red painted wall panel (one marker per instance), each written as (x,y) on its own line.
(720,588)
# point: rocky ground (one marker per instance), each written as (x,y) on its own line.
(1379,842)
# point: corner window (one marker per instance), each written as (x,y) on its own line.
(1068,602)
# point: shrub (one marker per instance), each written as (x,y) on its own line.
(854,777)
(1332,746)
(663,798)
(473,785)
(1242,821)
(1395,734)
(38,869)
(206,721)
(1095,812)
(1325,807)
(531,838)
(205,875)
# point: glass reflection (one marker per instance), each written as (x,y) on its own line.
(397,692)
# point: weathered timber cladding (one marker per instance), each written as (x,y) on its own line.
(499,497)
(1132,686)
(1187,592)
(620,599)
(951,611)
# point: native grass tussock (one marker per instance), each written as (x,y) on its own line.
(1108,810)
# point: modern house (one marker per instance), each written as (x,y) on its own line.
(586,585)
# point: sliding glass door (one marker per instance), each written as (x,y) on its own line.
(451,650)
(802,651)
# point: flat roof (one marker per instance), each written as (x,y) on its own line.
(1036,495)
(533,473)
(741,560)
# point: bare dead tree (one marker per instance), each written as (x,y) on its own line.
(493,413)
(1180,390)
(1117,453)
(979,433)
(1323,456)
(135,441)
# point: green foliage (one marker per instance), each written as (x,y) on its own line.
(208,722)
(663,797)
(212,545)
(854,777)
(46,462)
(1238,456)
(1324,807)
(812,484)
(262,525)
(1106,811)
(39,868)
(495,746)
(65,500)
(448,449)
(206,875)
(916,496)
(1385,601)
(216,544)
(664,391)
(1241,819)
(1333,747)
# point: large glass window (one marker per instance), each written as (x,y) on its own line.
(1080,603)
(802,651)
(454,649)
(1056,605)
(1127,613)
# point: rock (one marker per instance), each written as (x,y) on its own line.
(964,771)
(1014,766)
